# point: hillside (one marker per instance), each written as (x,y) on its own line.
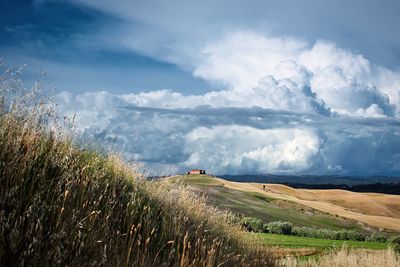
(329,208)
(365,203)
(60,205)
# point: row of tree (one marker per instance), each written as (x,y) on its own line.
(287,228)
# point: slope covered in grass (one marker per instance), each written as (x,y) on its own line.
(63,206)
(258,205)
(333,202)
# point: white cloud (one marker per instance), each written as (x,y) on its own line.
(170,29)
(287,108)
(240,59)
(347,95)
(373,111)
(235,140)
(388,82)
(325,54)
(242,149)
(285,94)
(346,82)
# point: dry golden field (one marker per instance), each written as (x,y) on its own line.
(348,258)
(370,209)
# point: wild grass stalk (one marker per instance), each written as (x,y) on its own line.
(60,205)
(349,257)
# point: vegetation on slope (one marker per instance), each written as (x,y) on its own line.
(60,205)
(287,228)
(253,204)
(304,242)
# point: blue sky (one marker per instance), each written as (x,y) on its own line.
(58,37)
(85,38)
(292,87)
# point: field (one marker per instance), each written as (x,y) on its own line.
(365,203)
(307,242)
(269,209)
(331,209)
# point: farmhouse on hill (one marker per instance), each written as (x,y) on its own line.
(196,172)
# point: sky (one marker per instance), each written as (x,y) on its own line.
(233,87)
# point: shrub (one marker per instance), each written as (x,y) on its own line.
(328,234)
(376,237)
(252,224)
(356,236)
(343,235)
(314,232)
(394,242)
(279,227)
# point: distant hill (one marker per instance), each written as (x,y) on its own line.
(303,207)
(384,188)
(312,179)
(371,184)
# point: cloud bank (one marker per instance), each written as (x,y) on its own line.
(287,107)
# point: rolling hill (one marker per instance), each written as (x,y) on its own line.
(332,209)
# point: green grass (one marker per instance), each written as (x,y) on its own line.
(253,204)
(261,197)
(196,180)
(308,242)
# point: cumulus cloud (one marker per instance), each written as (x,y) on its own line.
(242,149)
(276,103)
(325,54)
(240,59)
(348,95)
(286,107)
(236,139)
(346,82)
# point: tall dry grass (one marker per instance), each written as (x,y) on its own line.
(346,257)
(63,206)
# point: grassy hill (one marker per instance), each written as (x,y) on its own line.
(330,209)
(60,205)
